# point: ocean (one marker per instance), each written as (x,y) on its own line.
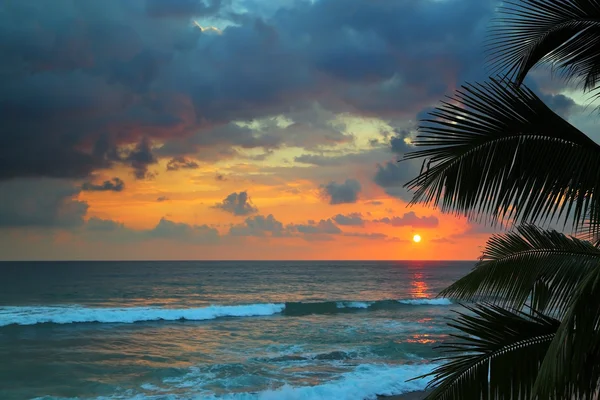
(220,330)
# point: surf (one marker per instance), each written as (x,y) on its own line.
(72,314)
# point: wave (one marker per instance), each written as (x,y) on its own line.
(31,315)
(366,381)
(77,314)
(354,304)
(336,307)
(427,302)
(336,355)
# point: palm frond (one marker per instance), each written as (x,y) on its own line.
(590,228)
(506,346)
(573,358)
(497,153)
(543,266)
(564,33)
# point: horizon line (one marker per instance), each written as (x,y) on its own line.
(244,260)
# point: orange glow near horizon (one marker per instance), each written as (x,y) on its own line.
(372,227)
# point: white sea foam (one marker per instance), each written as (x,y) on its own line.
(353,304)
(31,315)
(365,382)
(428,302)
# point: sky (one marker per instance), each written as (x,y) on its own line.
(233,129)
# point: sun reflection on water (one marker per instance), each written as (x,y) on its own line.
(421,338)
(419,287)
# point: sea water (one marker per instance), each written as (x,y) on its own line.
(220,330)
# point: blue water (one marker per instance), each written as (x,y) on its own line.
(220,330)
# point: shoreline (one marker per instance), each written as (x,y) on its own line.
(419,395)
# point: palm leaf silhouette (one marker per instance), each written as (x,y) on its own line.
(528,264)
(564,33)
(499,154)
(506,346)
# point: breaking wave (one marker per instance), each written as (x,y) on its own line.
(31,315)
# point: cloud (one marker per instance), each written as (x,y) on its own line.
(317,228)
(310,128)
(399,143)
(114,185)
(100,229)
(260,226)
(411,219)
(560,104)
(392,176)
(178,163)
(84,81)
(319,160)
(237,204)
(140,158)
(166,229)
(103,225)
(370,236)
(41,203)
(353,219)
(341,193)
(162,198)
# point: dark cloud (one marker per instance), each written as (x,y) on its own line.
(162,198)
(560,104)
(319,160)
(334,159)
(398,142)
(216,143)
(103,225)
(392,176)
(260,226)
(40,203)
(256,226)
(140,158)
(411,219)
(317,228)
(353,219)
(237,204)
(178,163)
(84,81)
(113,231)
(167,229)
(340,193)
(311,128)
(375,203)
(114,185)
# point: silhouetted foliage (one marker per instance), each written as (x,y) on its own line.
(497,154)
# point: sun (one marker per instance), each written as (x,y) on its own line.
(417,238)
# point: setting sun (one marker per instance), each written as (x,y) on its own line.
(417,238)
